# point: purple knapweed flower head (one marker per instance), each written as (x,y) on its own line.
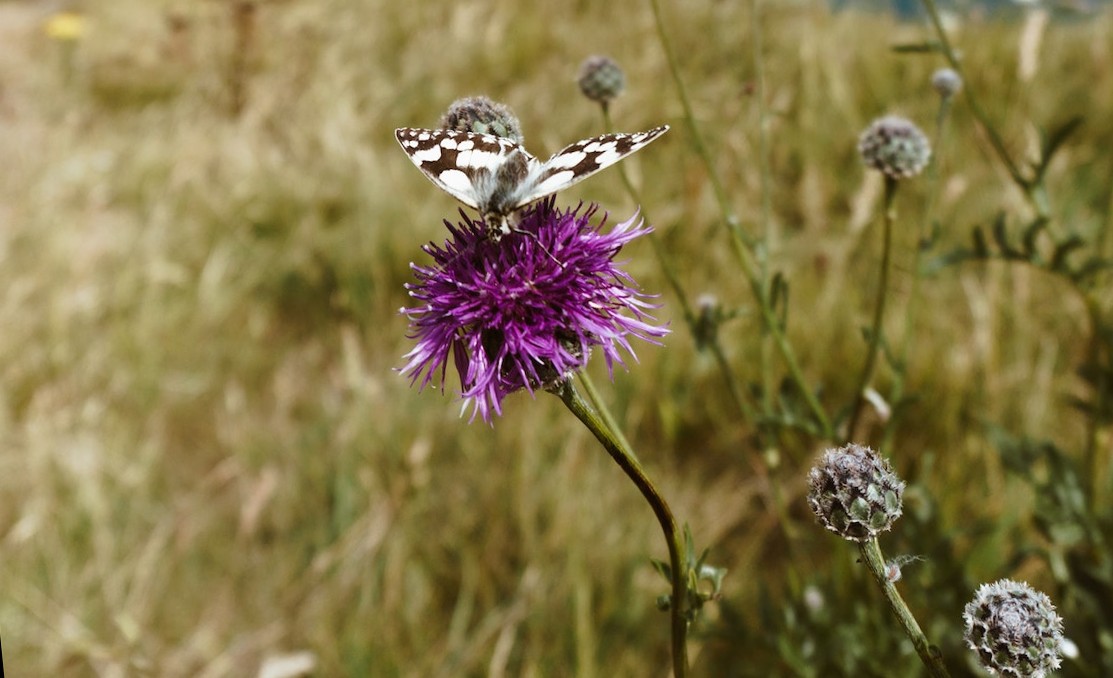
(524,312)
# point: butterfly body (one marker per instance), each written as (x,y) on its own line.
(498,177)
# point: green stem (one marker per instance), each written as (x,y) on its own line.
(740,244)
(628,462)
(769,237)
(690,316)
(737,393)
(1104,231)
(912,305)
(1093,457)
(603,410)
(734,387)
(929,654)
(773,324)
(1033,192)
(878,310)
(658,249)
(690,119)
(767,232)
(749,256)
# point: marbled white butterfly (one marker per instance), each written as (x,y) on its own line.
(497,176)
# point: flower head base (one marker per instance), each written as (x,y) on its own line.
(601,79)
(894,146)
(483,116)
(1014,629)
(947,82)
(526,311)
(855,493)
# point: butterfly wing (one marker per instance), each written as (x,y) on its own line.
(582,159)
(462,164)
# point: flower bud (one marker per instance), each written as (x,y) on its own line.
(601,79)
(1014,629)
(895,147)
(947,82)
(855,493)
(483,116)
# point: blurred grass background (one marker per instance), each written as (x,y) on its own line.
(209,465)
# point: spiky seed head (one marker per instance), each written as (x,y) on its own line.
(1014,629)
(855,493)
(484,116)
(947,82)
(895,147)
(601,79)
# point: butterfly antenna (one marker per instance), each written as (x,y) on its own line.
(515,229)
(504,227)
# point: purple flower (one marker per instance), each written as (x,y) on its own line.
(524,312)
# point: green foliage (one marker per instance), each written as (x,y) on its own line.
(1032,245)
(1077,538)
(704,581)
(210,463)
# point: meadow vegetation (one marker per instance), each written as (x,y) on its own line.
(210,465)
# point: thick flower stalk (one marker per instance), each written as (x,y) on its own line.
(526,311)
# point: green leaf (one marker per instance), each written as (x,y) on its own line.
(1063,250)
(1091,268)
(1052,141)
(981,247)
(926,47)
(1001,237)
(927,242)
(778,297)
(1033,231)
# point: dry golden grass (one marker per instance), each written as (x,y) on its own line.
(208,462)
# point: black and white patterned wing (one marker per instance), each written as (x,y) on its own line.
(465,165)
(582,159)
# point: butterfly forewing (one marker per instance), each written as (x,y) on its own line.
(498,176)
(582,159)
(460,163)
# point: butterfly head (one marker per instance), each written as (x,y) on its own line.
(498,225)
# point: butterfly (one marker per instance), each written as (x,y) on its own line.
(498,176)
